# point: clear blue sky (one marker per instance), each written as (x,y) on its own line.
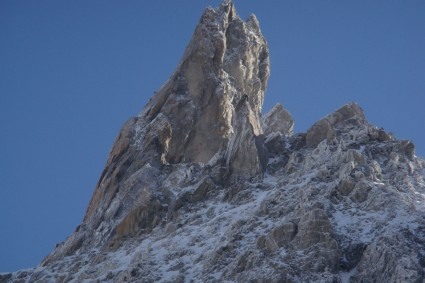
(71,73)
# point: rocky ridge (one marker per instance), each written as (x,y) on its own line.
(201,187)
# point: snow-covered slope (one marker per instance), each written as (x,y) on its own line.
(200,188)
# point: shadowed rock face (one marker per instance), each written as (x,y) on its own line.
(199,187)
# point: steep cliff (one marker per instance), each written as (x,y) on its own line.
(201,187)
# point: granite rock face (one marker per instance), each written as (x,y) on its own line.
(278,120)
(350,115)
(223,73)
(208,112)
(201,188)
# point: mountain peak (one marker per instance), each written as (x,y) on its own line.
(208,112)
(223,72)
(325,129)
(199,187)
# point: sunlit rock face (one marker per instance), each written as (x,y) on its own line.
(208,112)
(201,187)
(278,120)
(217,90)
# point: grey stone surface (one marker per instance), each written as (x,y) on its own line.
(200,188)
(278,120)
(326,129)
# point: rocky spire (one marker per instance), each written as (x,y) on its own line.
(223,73)
(182,197)
(208,112)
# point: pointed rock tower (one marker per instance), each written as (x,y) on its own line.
(207,113)
(200,188)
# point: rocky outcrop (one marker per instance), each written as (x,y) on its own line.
(383,260)
(316,237)
(327,128)
(208,112)
(278,120)
(223,73)
(200,188)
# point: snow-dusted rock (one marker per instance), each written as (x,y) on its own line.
(217,88)
(207,112)
(198,189)
(392,258)
(278,120)
(349,115)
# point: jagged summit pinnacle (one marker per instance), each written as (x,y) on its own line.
(223,73)
(200,188)
(208,112)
